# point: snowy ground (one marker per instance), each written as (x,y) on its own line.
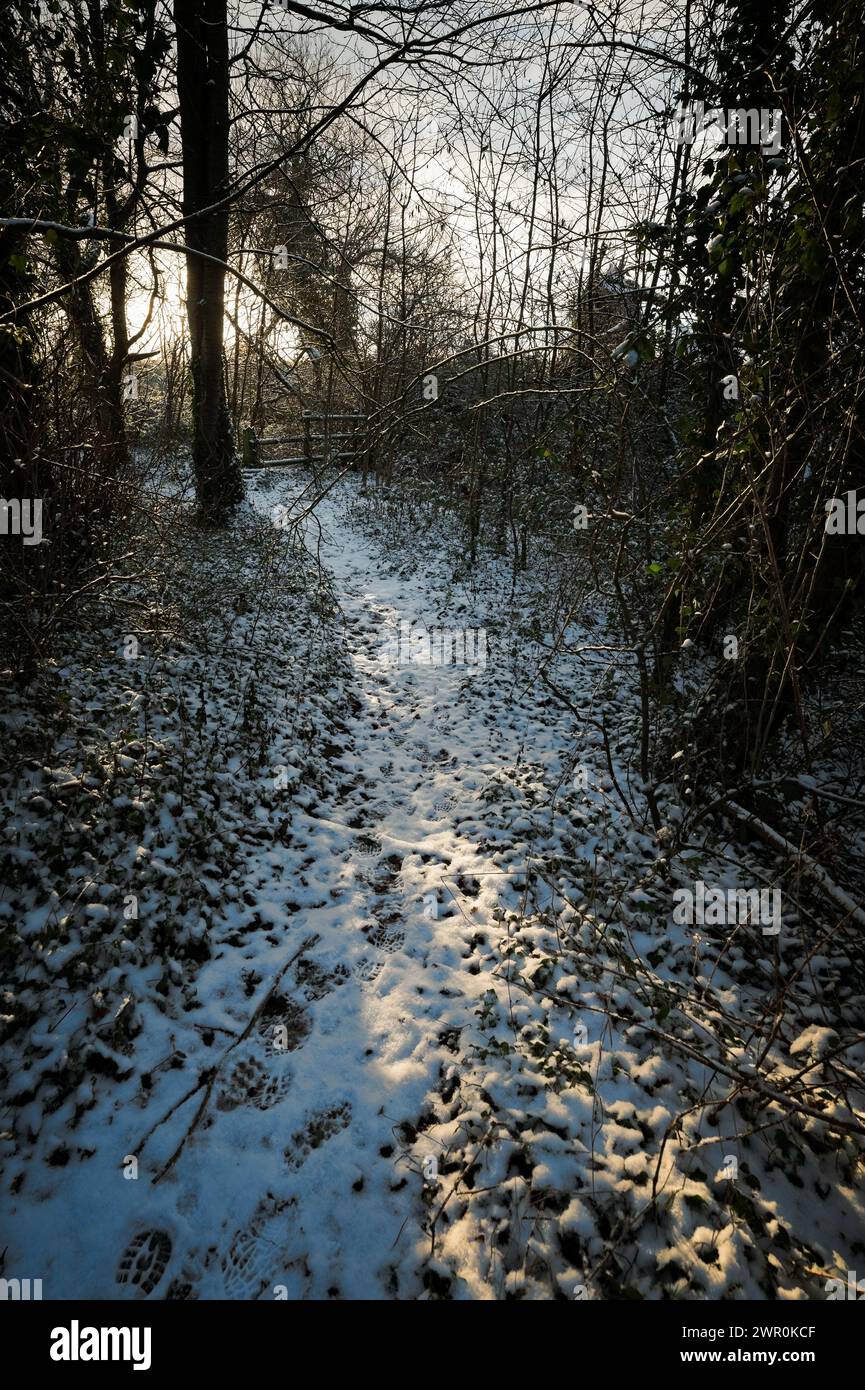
(428,1028)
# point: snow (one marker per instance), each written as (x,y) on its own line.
(366,932)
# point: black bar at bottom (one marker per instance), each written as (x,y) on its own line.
(66,1339)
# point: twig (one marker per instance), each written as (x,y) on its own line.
(209,1076)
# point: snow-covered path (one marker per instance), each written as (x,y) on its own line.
(400,960)
(372,914)
(390,881)
(405,927)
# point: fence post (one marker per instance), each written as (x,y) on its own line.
(250,448)
(364,454)
(307,439)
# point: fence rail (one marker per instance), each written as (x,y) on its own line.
(350,440)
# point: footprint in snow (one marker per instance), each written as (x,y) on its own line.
(320,1127)
(249,1083)
(314,982)
(384,940)
(284,1025)
(384,877)
(252,1266)
(145,1260)
(367,971)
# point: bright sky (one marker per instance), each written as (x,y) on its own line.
(480,138)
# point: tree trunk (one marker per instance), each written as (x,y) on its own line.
(102,382)
(202,86)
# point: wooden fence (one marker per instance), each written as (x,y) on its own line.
(348,442)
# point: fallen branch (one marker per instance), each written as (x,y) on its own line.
(208,1077)
(771,837)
